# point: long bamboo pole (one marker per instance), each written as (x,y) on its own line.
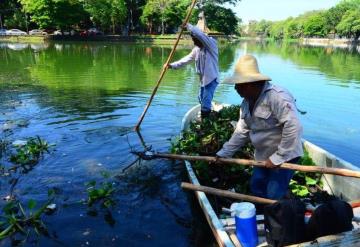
(288,166)
(238,196)
(165,67)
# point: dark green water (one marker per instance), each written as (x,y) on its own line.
(86,97)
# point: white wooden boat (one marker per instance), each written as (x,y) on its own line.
(344,187)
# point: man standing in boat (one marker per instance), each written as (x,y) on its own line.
(205,54)
(268,119)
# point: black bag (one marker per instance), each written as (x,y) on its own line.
(332,217)
(284,223)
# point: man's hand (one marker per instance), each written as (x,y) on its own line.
(216,161)
(167,66)
(269,164)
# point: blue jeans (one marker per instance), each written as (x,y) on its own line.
(206,95)
(271,183)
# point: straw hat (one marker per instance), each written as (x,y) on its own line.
(246,70)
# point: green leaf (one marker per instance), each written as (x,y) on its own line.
(31,204)
(310,181)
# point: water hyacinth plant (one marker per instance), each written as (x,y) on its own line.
(101,194)
(28,155)
(100,198)
(207,137)
(17,219)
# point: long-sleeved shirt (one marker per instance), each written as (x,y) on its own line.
(274,128)
(206,58)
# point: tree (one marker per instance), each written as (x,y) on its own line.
(155,11)
(54,13)
(293,28)
(109,14)
(218,18)
(176,13)
(134,11)
(277,30)
(349,25)
(12,15)
(315,25)
(262,28)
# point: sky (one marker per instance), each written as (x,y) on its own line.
(275,10)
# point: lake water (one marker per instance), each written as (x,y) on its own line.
(85,98)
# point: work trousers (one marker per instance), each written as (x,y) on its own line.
(271,183)
(206,94)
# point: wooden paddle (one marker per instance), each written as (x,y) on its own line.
(238,196)
(288,166)
(165,67)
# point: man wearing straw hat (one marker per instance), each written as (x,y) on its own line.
(205,54)
(268,119)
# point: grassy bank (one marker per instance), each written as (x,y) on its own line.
(23,39)
(154,39)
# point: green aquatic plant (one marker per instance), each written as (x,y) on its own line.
(208,136)
(29,154)
(15,218)
(102,194)
(303,183)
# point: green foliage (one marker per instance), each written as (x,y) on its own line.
(155,13)
(30,153)
(293,29)
(219,19)
(107,13)
(62,14)
(11,14)
(277,30)
(315,25)
(101,194)
(349,25)
(15,219)
(343,19)
(208,136)
(303,183)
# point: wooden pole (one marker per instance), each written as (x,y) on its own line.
(225,193)
(165,67)
(238,196)
(288,166)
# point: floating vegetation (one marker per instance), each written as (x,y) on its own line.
(17,219)
(100,197)
(100,194)
(207,137)
(28,155)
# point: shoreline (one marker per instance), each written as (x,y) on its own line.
(138,39)
(171,38)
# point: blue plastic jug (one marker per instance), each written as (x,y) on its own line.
(245,221)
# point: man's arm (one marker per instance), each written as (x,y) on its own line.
(185,60)
(238,139)
(290,144)
(208,42)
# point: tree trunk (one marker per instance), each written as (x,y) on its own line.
(113,25)
(162,27)
(150,27)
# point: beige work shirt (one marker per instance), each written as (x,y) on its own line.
(274,128)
